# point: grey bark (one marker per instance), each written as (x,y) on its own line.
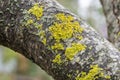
(111,10)
(99,61)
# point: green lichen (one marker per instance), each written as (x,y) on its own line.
(69,75)
(93,74)
(57,59)
(42,34)
(38,26)
(73,50)
(36,10)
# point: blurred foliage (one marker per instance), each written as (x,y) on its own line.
(5,77)
(24,66)
(8,54)
(71,5)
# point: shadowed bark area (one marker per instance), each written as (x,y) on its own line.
(111,10)
(56,40)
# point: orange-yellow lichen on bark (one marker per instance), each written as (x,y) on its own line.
(42,36)
(65,28)
(118,33)
(62,17)
(58,46)
(57,59)
(30,21)
(44,41)
(73,50)
(94,73)
(36,10)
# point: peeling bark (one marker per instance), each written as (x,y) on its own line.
(111,10)
(29,27)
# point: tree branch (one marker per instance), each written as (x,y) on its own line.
(57,40)
(111,9)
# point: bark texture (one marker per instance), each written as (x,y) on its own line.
(111,10)
(58,41)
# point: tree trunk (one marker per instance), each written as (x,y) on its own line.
(58,41)
(111,10)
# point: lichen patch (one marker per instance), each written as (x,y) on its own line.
(36,10)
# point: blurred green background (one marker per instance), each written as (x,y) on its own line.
(14,66)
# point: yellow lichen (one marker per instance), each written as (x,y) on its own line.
(36,10)
(44,41)
(57,59)
(66,29)
(107,77)
(61,31)
(69,75)
(38,26)
(73,50)
(42,34)
(93,74)
(79,37)
(62,17)
(30,21)
(118,33)
(77,27)
(58,46)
